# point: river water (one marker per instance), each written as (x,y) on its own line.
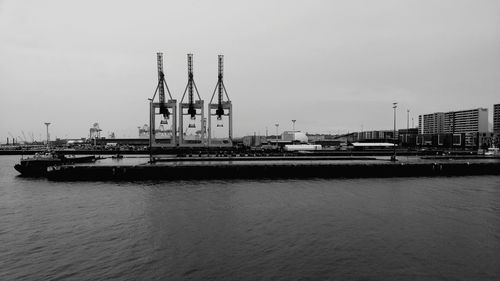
(444,228)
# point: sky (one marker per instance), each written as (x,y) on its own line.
(334,66)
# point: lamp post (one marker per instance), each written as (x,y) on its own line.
(151,129)
(277,125)
(407,119)
(48,136)
(293,124)
(393,157)
(407,126)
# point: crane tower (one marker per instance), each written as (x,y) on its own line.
(223,111)
(165,134)
(194,133)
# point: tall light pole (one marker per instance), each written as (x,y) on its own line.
(48,136)
(277,125)
(407,119)
(293,124)
(407,126)
(151,130)
(394,106)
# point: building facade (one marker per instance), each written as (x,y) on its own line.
(466,121)
(463,121)
(374,136)
(431,123)
(454,129)
(496,119)
(408,137)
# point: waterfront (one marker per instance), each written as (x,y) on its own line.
(445,228)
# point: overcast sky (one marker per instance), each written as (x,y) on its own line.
(332,65)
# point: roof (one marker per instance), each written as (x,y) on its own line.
(381,144)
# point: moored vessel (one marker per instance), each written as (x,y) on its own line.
(37,165)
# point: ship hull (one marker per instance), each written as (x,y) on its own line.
(35,168)
(38,167)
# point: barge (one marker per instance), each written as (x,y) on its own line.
(175,169)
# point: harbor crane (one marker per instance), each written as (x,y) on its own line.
(192,108)
(24,137)
(162,84)
(13,138)
(165,109)
(223,109)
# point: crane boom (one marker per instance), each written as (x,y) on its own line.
(161,86)
(161,75)
(220,84)
(191,110)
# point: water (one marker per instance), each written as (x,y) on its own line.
(356,229)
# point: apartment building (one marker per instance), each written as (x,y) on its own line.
(463,121)
(466,121)
(496,119)
(431,123)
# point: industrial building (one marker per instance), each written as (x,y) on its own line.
(373,136)
(327,140)
(294,137)
(408,137)
(470,141)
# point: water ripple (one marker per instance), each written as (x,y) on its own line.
(348,229)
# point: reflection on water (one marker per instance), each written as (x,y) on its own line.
(368,229)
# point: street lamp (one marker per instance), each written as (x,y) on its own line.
(151,128)
(277,125)
(407,119)
(293,124)
(394,106)
(48,136)
(407,126)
